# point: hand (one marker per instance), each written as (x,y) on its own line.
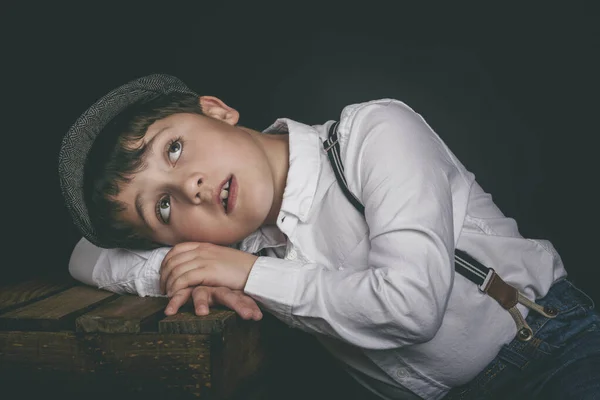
(204,264)
(204,297)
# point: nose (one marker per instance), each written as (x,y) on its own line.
(194,190)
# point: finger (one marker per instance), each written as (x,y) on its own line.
(167,266)
(253,306)
(173,255)
(180,248)
(201,296)
(188,246)
(242,304)
(194,277)
(183,269)
(179,298)
(234,301)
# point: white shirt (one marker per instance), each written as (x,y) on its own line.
(379,292)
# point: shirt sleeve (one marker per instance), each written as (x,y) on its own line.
(118,270)
(403,174)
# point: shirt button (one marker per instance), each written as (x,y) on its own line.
(401,373)
(292,255)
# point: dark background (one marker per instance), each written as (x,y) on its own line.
(511,88)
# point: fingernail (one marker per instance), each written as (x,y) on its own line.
(202,310)
(258,315)
(169,310)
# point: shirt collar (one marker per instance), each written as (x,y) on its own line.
(301,183)
(304,167)
(264,237)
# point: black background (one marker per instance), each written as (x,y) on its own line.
(511,88)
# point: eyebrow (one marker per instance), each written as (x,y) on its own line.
(148,146)
(139,200)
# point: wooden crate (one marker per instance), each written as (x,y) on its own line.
(74,339)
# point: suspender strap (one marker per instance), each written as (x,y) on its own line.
(485,278)
(471,269)
(465,265)
(332,147)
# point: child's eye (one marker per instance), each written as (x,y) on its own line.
(174,150)
(163,209)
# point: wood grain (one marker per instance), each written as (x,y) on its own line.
(240,354)
(126,314)
(44,351)
(176,361)
(150,363)
(20,294)
(185,321)
(57,312)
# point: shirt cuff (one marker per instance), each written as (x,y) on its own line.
(149,284)
(272,282)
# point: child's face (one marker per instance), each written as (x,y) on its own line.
(190,161)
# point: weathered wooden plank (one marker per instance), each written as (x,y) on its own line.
(211,356)
(147,363)
(239,350)
(176,362)
(22,293)
(126,314)
(240,354)
(55,312)
(185,321)
(46,351)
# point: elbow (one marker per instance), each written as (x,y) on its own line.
(428,327)
(429,314)
(420,321)
(83,261)
(419,330)
(406,331)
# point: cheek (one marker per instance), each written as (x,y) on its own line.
(191,225)
(197,225)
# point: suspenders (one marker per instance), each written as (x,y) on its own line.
(485,278)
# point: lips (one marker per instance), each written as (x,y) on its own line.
(233,192)
(226,194)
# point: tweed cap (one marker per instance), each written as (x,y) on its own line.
(78,141)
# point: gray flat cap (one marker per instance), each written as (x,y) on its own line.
(79,139)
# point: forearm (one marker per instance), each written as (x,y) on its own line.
(117,270)
(374,308)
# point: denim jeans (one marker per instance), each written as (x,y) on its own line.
(561,361)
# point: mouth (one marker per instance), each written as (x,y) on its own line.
(226,195)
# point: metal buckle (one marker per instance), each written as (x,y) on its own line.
(331,144)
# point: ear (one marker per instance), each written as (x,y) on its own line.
(215,108)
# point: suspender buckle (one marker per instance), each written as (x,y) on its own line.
(330,144)
(485,285)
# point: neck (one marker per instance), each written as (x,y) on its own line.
(277,152)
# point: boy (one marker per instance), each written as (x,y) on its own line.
(361,224)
